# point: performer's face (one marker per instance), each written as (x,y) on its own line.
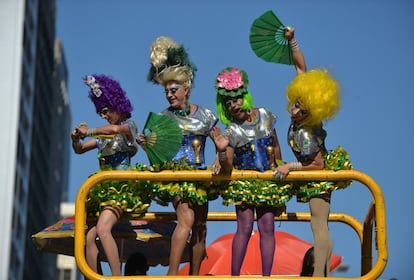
(297,113)
(176,94)
(111,116)
(233,105)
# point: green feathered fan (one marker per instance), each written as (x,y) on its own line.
(163,138)
(267,39)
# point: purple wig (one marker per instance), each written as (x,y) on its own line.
(106,92)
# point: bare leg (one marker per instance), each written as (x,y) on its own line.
(319,207)
(106,221)
(198,238)
(91,249)
(185,219)
(245,219)
(266,225)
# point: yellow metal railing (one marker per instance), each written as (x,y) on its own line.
(375,214)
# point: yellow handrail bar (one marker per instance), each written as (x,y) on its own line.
(199,175)
(288,217)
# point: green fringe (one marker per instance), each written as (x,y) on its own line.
(335,160)
(131,196)
(257,192)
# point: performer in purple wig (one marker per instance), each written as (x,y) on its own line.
(116,144)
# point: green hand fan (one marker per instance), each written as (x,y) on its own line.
(267,39)
(163,138)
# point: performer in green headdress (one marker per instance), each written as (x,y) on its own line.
(251,142)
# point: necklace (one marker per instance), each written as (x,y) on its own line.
(181,112)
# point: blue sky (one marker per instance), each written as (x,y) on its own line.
(367,46)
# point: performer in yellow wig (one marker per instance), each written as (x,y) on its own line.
(314,98)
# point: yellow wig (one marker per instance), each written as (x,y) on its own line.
(318,93)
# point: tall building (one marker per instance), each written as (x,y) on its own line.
(66,265)
(34,166)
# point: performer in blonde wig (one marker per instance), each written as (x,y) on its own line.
(172,69)
(314,98)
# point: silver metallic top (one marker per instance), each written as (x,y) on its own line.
(306,141)
(196,128)
(241,134)
(198,123)
(119,143)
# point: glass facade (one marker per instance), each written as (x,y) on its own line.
(37,149)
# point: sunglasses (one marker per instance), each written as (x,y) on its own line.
(172,89)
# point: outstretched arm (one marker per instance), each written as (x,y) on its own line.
(110,129)
(81,147)
(316,163)
(298,58)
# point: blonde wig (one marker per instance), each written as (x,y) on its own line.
(170,62)
(318,94)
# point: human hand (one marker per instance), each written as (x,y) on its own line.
(289,32)
(281,171)
(221,141)
(215,168)
(142,139)
(75,136)
(81,130)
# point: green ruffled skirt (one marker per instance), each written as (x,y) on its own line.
(337,159)
(257,192)
(197,192)
(163,192)
(132,197)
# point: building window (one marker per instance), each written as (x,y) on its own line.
(65,274)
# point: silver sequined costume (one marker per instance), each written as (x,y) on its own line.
(253,145)
(305,143)
(131,196)
(118,151)
(196,128)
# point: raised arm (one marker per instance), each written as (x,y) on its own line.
(298,58)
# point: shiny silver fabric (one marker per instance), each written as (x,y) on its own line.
(199,123)
(241,134)
(120,142)
(306,141)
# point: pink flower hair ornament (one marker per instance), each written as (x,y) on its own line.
(231,81)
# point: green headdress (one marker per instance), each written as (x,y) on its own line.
(170,61)
(231,82)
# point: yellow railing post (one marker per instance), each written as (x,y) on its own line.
(323,175)
(366,246)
